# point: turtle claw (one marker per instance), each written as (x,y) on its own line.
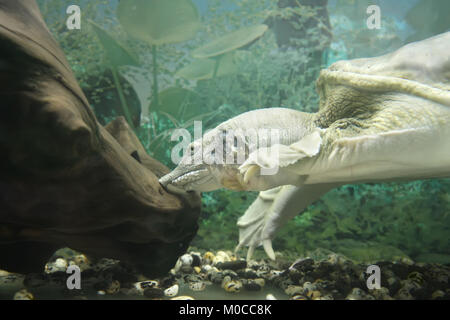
(250,252)
(250,173)
(267,244)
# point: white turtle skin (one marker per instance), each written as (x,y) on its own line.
(380,119)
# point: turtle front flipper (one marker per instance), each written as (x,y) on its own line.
(267,167)
(271,210)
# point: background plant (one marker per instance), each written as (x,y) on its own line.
(369,221)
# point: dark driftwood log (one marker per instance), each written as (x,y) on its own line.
(64,179)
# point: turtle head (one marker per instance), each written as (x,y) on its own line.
(203,167)
(241,153)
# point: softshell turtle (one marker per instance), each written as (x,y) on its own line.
(380,119)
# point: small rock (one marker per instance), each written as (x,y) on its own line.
(232,286)
(303,264)
(216,277)
(141,286)
(186,269)
(221,257)
(23,295)
(247,273)
(171,291)
(251,285)
(183,298)
(231,273)
(293,290)
(206,268)
(197,269)
(113,288)
(208,258)
(196,259)
(315,294)
(131,291)
(153,293)
(358,294)
(380,294)
(197,286)
(325,297)
(186,260)
(270,296)
(404,294)
(298,297)
(438,295)
(260,281)
(232,265)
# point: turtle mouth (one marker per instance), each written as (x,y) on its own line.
(196,176)
(195,180)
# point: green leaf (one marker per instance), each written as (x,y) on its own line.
(232,41)
(115,53)
(159,22)
(202,69)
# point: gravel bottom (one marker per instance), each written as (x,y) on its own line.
(220,275)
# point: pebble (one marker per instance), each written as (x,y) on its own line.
(113,288)
(59,264)
(313,294)
(334,278)
(358,294)
(197,286)
(248,273)
(172,291)
(206,268)
(23,295)
(303,264)
(438,294)
(183,298)
(186,269)
(260,281)
(186,260)
(197,269)
(153,293)
(251,285)
(298,297)
(221,257)
(231,285)
(142,285)
(294,290)
(232,265)
(380,294)
(81,261)
(208,258)
(196,259)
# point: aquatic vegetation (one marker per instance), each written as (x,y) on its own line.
(203,69)
(158,23)
(387,219)
(117,56)
(218,48)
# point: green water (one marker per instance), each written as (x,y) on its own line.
(165,73)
